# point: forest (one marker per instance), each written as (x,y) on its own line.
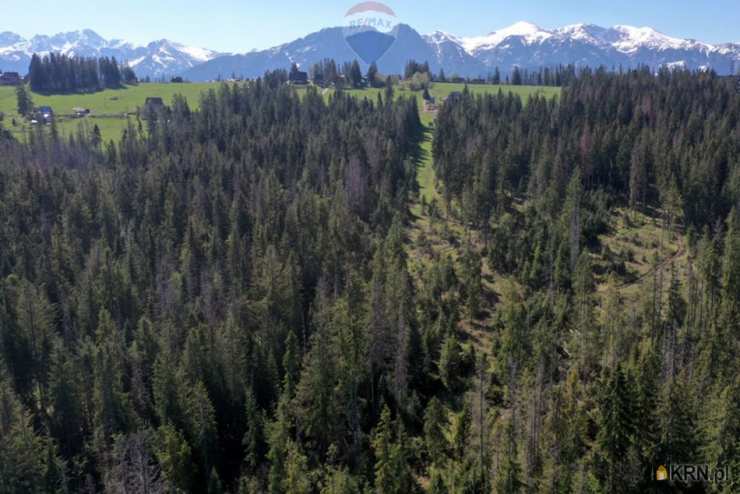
(229,300)
(57,73)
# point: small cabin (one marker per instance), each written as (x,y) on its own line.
(298,77)
(10,79)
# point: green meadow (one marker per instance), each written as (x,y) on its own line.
(108,108)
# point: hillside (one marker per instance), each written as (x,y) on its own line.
(110,109)
(636,250)
(300,291)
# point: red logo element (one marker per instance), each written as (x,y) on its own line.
(370,7)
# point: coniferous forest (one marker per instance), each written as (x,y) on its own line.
(229,299)
(58,73)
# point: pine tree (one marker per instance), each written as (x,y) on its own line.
(373,75)
(253,435)
(214,483)
(720,428)
(28,461)
(339,481)
(382,443)
(24,101)
(616,427)
(435,426)
(449,362)
(175,457)
(392,469)
(278,439)
(471,282)
(290,364)
(297,479)
(201,427)
(678,425)
(508,475)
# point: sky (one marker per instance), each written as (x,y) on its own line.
(243,25)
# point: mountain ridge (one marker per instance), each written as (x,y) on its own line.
(156,59)
(523,44)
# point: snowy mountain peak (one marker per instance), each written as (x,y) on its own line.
(634,38)
(528,32)
(7,38)
(522,28)
(156,59)
(523,44)
(438,37)
(197,54)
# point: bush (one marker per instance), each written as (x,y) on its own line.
(418,82)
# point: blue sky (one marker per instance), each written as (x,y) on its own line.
(242,25)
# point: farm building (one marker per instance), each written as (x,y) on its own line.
(10,79)
(299,77)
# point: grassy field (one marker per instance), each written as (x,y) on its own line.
(109,102)
(108,107)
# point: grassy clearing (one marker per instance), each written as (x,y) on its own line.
(110,101)
(107,107)
(427,182)
(431,238)
(425,173)
(640,241)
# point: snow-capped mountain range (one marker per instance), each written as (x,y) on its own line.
(523,45)
(529,46)
(157,59)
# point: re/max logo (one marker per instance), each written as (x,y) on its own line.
(686,473)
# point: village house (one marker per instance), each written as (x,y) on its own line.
(298,78)
(10,79)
